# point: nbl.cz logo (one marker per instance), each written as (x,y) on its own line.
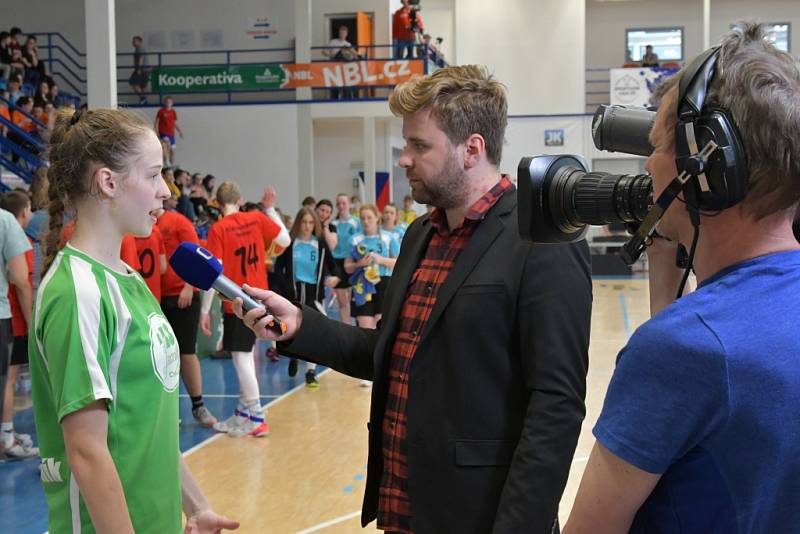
(164,352)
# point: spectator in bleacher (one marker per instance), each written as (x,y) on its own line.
(34,68)
(166,125)
(650,58)
(21,116)
(7,116)
(406,22)
(14,90)
(5,55)
(140,75)
(342,50)
(16,39)
(42,96)
(208,185)
(25,123)
(185,206)
(309,202)
(55,96)
(17,65)
(434,55)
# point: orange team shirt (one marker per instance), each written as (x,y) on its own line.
(175,229)
(166,121)
(23,122)
(240,241)
(5,115)
(150,249)
(19,327)
(127,252)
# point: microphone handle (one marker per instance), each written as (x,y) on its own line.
(231,291)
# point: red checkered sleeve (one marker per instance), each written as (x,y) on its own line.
(394,507)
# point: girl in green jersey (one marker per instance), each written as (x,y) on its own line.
(104,361)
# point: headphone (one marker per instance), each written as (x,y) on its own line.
(721,180)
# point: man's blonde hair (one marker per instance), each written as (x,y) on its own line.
(228,193)
(464,100)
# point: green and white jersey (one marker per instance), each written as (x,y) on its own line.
(99,334)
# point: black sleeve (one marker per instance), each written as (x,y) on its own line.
(347,349)
(554,307)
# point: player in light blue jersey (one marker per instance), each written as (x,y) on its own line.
(372,258)
(304,270)
(345,226)
(391,224)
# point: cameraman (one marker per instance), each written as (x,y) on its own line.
(406,23)
(699,431)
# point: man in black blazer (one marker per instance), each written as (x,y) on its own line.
(479,364)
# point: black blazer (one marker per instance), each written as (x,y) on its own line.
(496,387)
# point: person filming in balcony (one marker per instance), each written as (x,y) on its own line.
(342,50)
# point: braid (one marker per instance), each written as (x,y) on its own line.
(56,210)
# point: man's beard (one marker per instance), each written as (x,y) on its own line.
(446,190)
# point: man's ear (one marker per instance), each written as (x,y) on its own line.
(475,150)
(106,182)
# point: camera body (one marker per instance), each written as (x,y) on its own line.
(562,197)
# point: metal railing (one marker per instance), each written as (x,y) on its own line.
(68,67)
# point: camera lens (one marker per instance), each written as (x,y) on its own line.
(623,129)
(559,198)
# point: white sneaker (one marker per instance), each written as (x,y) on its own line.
(18,451)
(24,439)
(231,423)
(204,416)
(366,383)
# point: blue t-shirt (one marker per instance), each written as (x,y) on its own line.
(384,244)
(12,243)
(345,230)
(305,260)
(707,393)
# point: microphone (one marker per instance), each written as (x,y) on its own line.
(198,267)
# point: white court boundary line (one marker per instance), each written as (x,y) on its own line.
(326,524)
(270,403)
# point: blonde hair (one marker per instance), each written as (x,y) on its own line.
(228,193)
(464,100)
(80,143)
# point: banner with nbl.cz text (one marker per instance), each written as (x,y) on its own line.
(284,76)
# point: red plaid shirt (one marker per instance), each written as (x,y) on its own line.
(394,508)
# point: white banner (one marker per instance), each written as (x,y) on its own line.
(634,87)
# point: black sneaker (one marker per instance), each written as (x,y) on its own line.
(311,379)
(293,367)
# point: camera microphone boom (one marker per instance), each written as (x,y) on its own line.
(199,268)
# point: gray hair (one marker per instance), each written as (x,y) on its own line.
(759,87)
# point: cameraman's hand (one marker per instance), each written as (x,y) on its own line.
(258,319)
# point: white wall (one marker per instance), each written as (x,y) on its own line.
(724,13)
(535,47)
(233,18)
(254,146)
(64,16)
(606,23)
(439,19)
(339,154)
